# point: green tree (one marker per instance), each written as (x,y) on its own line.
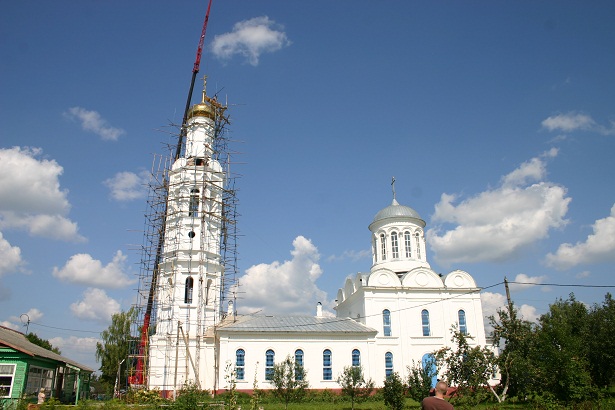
(469,368)
(600,342)
(562,368)
(112,353)
(515,339)
(289,380)
(45,344)
(354,385)
(419,380)
(393,392)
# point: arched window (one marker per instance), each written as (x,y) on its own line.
(269,362)
(425,322)
(386,322)
(394,246)
(408,244)
(298,364)
(463,327)
(188,290)
(429,363)
(193,207)
(240,363)
(388,364)
(327,372)
(356,357)
(383,246)
(418,245)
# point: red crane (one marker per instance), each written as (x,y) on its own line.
(138,378)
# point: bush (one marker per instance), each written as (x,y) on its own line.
(393,392)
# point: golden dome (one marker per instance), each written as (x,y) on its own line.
(201,110)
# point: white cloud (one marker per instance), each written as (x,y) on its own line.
(84,270)
(93,122)
(584,274)
(10,257)
(350,255)
(526,281)
(34,315)
(10,325)
(496,224)
(284,288)
(598,247)
(573,121)
(250,39)
(96,306)
(81,344)
(492,302)
(127,186)
(568,122)
(33,200)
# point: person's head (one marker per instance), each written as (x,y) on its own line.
(42,390)
(441,387)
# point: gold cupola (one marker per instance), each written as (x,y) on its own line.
(208,107)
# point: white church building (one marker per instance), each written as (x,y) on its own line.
(387,319)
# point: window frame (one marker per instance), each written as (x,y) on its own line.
(298,363)
(388,364)
(463,323)
(9,377)
(394,245)
(189,290)
(386,322)
(425,322)
(383,246)
(356,358)
(193,204)
(408,243)
(269,363)
(240,364)
(327,364)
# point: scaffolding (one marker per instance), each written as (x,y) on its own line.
(198,197)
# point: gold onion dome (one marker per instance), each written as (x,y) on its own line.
(205,108)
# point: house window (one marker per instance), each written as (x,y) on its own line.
(394,246)
(408,244)
(383,246)
(386,322)
(193,207)
(240,364)
(425,321)
(418,245)
(38,378)
(356,357)
(298,364)
(327,372)
(463,327)
(7,373)
(269,361)
(188,290)
(429,362)
(388,364)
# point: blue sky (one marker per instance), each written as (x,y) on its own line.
(497,120)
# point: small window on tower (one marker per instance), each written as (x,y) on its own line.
(383,246)
(191,234)
(394,246)
(188,290)
(193,207)
(408,244)
(418,245)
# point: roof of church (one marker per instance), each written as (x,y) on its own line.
(293,324)
(396,210)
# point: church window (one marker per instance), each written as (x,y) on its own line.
(298,364)
(418,245)
(394,246)
(463,327)
(327,372)
(383,246)
(269,362)
(240,363)
(193,207)
(388,364)
(425,322)
(408,244)
(188,290)
(356,357)
(386,322)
